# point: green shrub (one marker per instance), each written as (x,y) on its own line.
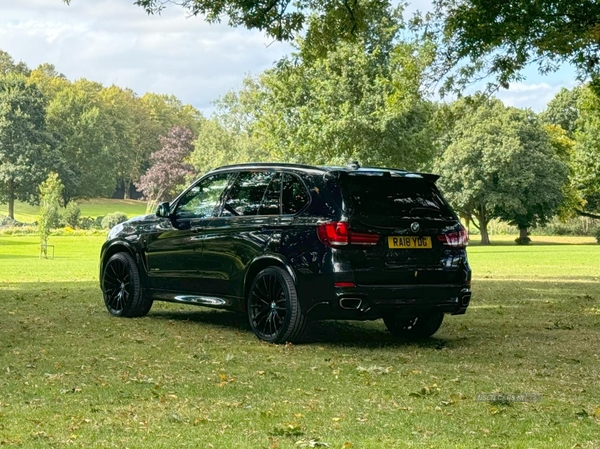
(9,222)
(574,226)
(72,215)
(98,222)
(113,219)
(87,223)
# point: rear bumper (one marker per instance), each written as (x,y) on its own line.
(374,302)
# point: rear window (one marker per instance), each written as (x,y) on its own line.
(395,197)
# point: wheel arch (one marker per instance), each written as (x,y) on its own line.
(120,247)
(262,262)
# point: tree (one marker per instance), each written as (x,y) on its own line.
(479,38)
(162,113)
(131,135)
(82,131)
(576,112)
(50,195)
(218,145)
(280,19)
(169,167)
(24,142)
(564,149)
(359,101)
(587,153)
(7,65)
(563,110)
(48,80)
(501,164)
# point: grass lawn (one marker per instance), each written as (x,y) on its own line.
(96,207)
(190,377)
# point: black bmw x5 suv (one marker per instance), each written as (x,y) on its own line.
(289,243)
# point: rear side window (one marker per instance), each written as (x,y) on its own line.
(271,200)
(396,197)
(294,195)
(246,193)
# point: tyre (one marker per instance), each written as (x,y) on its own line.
(413,328)
(122,287)
(273,307)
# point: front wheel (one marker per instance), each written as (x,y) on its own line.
(122,287)
(273,307)
(413,328)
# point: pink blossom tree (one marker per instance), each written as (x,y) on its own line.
(169,167)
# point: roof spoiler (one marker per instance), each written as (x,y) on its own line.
(384,172)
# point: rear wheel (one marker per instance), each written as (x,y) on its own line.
(415,327)
(122,287)
(273,307)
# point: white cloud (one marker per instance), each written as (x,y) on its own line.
(118,43)
(532,95)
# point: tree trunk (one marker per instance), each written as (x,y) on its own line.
(523,234)
(11,199)
(485,238)
(126,189)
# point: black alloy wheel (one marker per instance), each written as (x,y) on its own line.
(121,285)
(416,327)
(273,308)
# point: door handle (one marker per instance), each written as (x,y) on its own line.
(196,230)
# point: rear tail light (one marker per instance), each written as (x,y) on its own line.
(336,233)
(458,239)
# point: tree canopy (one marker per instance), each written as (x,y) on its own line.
(81,131)
(587,152)
(563,110)
(8,65)
(169,167)
(479,38)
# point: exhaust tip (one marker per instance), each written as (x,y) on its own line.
(350,303)
(465,300)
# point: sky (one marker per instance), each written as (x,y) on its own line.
(116,42)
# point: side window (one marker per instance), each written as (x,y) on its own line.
(270,204)
(202,199)
(294,195)
(246,193)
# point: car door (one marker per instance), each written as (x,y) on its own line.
(296,231)
(241,232)
(174,252)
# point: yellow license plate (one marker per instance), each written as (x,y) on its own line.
(409,242)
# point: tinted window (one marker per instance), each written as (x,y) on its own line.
(246,193)
(294,195)
(395,197)
(270,203)
(202,199)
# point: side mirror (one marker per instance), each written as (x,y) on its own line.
(163,210)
